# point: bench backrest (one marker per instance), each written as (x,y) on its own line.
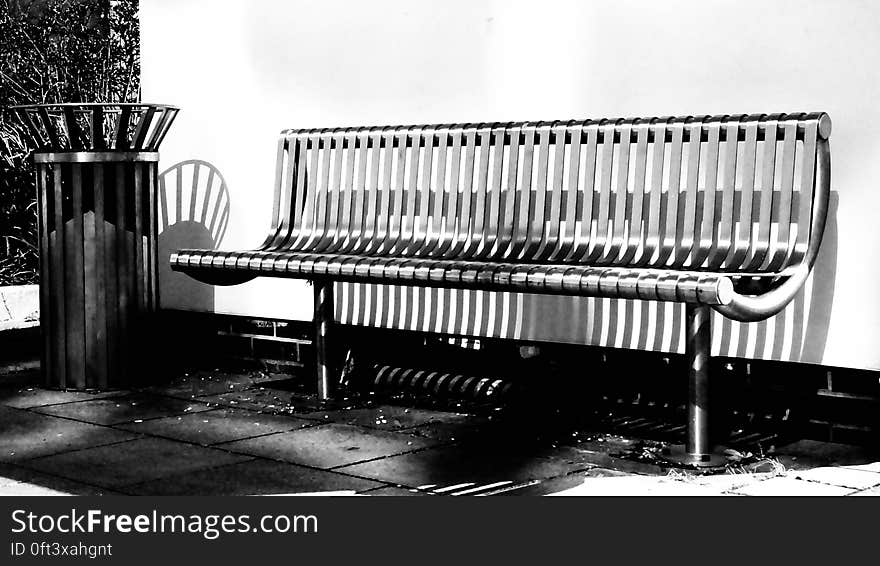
(731,193)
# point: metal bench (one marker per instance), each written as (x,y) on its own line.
(723,212)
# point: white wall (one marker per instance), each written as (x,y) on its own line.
(243,70)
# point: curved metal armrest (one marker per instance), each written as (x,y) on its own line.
(752,308)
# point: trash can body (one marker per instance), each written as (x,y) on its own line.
(97,227)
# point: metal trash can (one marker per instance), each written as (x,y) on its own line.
(96,168)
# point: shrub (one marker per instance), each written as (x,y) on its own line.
(53,51)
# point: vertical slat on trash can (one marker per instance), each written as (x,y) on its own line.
(140,287)
(122,272)
(43,220)
(90,280)
(111,276)
(56,280)
(73,251)
(98,360)
(153,239)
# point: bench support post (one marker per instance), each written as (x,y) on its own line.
(698,342)
(323,322)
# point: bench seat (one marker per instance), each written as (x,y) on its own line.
(628,283)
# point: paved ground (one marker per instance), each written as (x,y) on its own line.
(251,433)
(19,306)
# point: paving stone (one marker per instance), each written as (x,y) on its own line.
(476,428)
(727,482)
(132,462)
(637,486)
(789,486)
(577,455)
(394,492)
(329,445)
(117,410)
(15,480)
(27,397)
(203,383)
(471,488)
(506,435)
(450,465)
(843,477)
(872,467)
(269,400)
(255,477)
(390,417)
(30,435)
(217,425)
(541,487)
(631,485)
(554,485)
(29,490)
(805,454)
(517,431)
(605,443)
(602,473)
(260,401)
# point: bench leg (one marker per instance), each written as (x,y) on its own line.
(698,449)
(323,322)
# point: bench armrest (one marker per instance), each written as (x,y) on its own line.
(752,308)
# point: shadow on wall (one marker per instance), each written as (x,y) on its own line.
(193,213)
(812,347)
(798,333)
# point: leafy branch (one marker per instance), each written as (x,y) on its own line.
(54,51)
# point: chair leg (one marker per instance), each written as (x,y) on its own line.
(323,323)
(698,449)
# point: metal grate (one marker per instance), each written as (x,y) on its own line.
(97,127)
